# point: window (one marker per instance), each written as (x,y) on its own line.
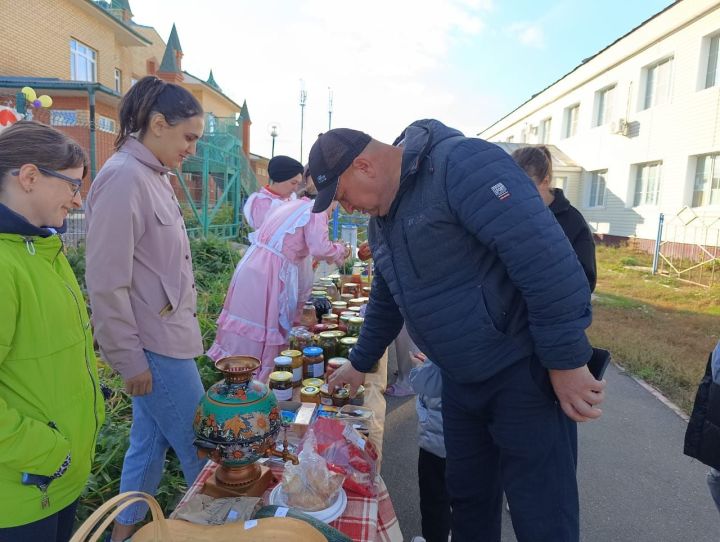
(711,78)
(571,119)
(105,124)
(83,62)
(604,109)
(560,182)
(118,81)
(597,188)
(707,181)
(657,83)
(63,117)
(647,184)
(544,130)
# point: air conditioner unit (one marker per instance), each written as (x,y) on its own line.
(619,126)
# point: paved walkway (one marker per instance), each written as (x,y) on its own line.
(635,483)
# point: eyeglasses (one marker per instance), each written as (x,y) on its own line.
(77,183)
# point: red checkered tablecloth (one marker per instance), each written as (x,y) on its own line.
(365,519)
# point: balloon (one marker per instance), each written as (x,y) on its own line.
(45,101)
(29,93)
(36,104)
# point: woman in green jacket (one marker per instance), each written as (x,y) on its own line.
(51,407)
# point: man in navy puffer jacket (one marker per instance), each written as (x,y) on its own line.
(469,257)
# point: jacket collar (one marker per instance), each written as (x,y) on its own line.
(143,155)
(12,222)
(560,204)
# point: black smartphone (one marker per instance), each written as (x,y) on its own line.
(598,362)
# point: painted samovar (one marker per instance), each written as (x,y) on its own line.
(236,423)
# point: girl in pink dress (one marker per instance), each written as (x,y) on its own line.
(285,176)
(264,299)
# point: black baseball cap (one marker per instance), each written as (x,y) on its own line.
(332,153)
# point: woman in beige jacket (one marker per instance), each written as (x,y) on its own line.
(141,286)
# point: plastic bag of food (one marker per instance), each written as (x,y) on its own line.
(310,485)
(347,453)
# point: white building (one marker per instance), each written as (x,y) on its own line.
(642,120)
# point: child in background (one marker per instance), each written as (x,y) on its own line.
(426,380)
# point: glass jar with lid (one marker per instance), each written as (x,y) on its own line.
(314,382)
(330,288)
(326,398)
(341,397)
(330,318)
(310,394)
(309,316)
(354,325)
(359,399)
(339,307)
(346,344)
(281,385)
(300,337)
(313,362)
(329,343)
(296,366)
(283,363)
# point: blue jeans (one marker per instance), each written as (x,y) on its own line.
(161,419)
(713,481)
(55,528)
(508,433)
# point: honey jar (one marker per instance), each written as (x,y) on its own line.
(313,382)
(281,385)
(310,394)
(283,363)
(296,366)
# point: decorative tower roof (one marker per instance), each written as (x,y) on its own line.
(173,40)
(171,64)
(211,81)
(244,113)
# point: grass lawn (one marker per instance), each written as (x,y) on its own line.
(657,327)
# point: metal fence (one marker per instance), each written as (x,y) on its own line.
(688,247)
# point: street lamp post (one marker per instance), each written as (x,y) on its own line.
(273,134)
(303,99)
(330,108)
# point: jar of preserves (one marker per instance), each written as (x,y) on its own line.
(308,317)
(355,302)
(314,362)
(341,397)
(326,398)
(313,382)
(283,363)
(335,363)
(296,366)
(350,288)
(355,310)
(331,289)
(310,394)
(300,337)
(331,318)
(366,291)
(337,279)
(339,307)
(346,297)
(359,399)
(354,325)
(346,344)
(328,341)
(281,385)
